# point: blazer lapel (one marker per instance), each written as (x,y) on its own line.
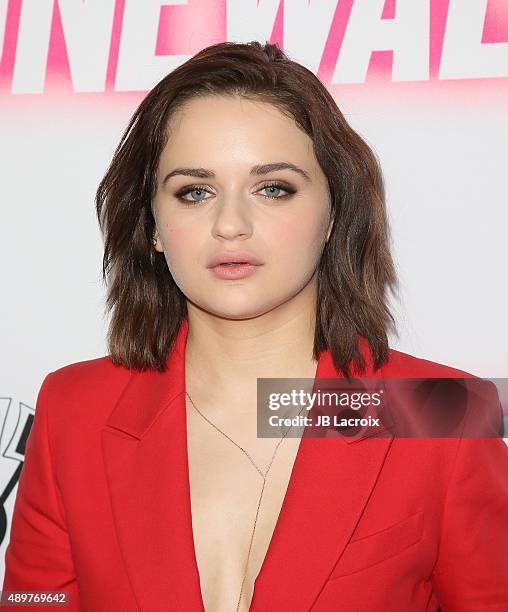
(145,457)
(330,485)
(146,465)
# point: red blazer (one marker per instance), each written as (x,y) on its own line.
(373,524)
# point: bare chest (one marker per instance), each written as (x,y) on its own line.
(234,512)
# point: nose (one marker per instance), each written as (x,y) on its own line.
(232,218)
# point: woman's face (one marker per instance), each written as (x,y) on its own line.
(280,216)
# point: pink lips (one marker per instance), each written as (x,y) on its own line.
(234,257)
(244,264)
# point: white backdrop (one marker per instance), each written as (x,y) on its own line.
(437,120)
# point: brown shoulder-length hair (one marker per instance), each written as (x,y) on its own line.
(356,267)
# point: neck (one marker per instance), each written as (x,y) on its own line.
(230,354)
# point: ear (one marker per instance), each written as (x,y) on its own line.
(157,244)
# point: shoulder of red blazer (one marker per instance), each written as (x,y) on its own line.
(400,363)
(85,391)
(91,374)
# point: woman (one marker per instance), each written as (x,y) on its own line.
(145,486)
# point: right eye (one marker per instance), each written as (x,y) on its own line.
(192,189)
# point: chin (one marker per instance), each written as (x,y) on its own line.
(237,314)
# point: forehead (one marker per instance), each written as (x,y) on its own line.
(215,128)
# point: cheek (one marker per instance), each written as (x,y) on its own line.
(299,241)
(178,240)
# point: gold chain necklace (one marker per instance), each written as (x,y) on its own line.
(263,476)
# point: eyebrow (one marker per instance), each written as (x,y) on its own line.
(257,170)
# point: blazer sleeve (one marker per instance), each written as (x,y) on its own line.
(471,571)
(38,556)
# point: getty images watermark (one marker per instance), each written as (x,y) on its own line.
(383,407)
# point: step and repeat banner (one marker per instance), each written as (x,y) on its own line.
(424,82)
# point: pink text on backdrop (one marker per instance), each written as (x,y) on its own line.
(128,45)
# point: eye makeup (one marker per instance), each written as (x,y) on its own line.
(280,185)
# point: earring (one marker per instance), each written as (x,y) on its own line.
(154,240)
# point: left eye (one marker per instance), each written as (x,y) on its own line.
(273,190)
